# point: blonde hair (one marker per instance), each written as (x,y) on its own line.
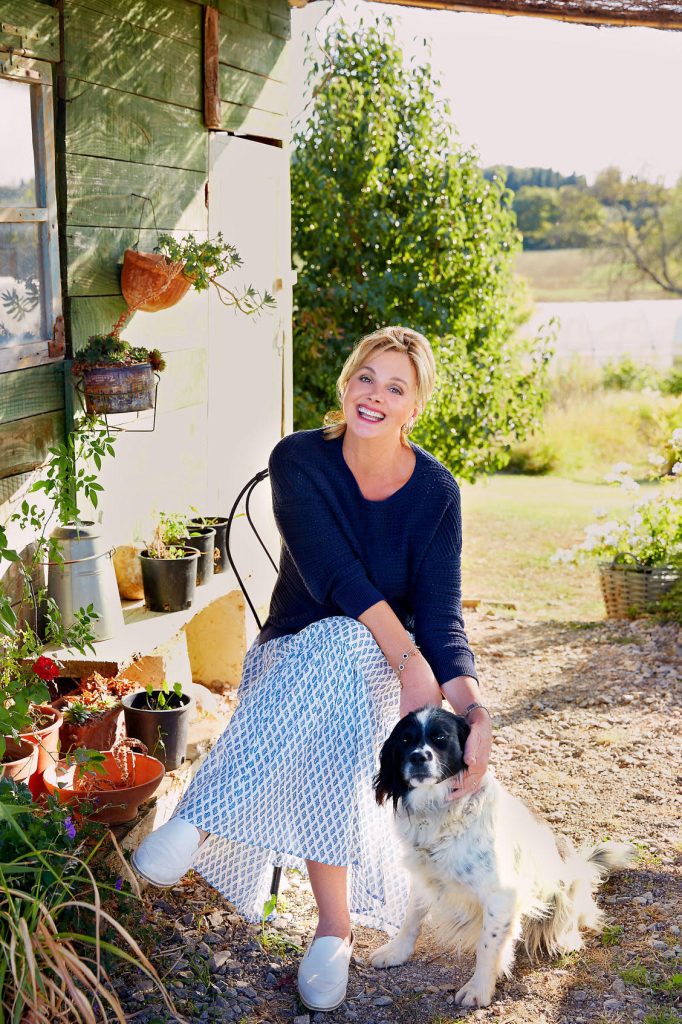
(386,339)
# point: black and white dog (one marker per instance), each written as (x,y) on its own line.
(484,867)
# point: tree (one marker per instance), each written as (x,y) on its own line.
(394,222)
(644,227)
(537,210)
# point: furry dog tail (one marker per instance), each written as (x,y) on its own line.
(572,906)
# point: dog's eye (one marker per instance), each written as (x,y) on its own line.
(439,739)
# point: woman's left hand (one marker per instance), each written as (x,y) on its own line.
(476,756)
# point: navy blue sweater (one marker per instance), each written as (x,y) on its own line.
(341,553)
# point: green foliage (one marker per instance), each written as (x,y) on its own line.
(163,699)
(77,711)
(394,222)
(636,974)
(171,531)
(672,382)
(667,1015)
(543,177)
(208,260)
(111,350)
(54,931)
(644,227)
(651,532)
(625,374)
(66,474)
(611,934)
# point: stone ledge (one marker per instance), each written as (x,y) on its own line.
(145,631)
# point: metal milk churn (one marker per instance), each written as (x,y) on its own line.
(86,577)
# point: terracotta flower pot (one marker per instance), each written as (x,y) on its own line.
(114,806)
(20,760)
(46,740)
(150,282)
(98,733)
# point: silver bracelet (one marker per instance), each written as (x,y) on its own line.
(473,707)
(404,659)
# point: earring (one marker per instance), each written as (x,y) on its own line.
(407,427)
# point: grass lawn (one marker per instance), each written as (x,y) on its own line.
(580,275)
(512,526)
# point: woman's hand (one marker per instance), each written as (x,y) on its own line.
(476,756)
(419,686)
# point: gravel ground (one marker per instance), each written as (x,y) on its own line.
(587,730)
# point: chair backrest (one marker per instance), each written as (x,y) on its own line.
(245,495)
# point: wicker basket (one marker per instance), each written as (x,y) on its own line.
(630,588)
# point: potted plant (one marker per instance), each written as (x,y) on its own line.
(92,714)
(639,555)
(169,569)
(117,377)
(157,280)
(179,530)
(19,760)
(219,524)
(108,787)
(160,718)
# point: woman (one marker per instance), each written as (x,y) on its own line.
(364,625)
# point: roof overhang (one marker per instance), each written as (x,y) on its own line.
(634,13)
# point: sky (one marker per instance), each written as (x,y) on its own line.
(537,93)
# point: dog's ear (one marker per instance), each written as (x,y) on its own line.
(389,781)
(463,730)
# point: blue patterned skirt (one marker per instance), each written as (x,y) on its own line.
(290,779)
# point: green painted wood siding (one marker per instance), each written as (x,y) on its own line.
(133,123)
(132,96)
(31,400)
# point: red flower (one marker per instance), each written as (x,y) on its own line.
(46,668)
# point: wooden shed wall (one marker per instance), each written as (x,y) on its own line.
(129,120)
(31,400)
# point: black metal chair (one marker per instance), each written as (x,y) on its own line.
(245,495)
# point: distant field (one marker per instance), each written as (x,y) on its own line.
(579,275)
(513,524)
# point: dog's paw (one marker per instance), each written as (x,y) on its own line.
(475,994)
(390,955)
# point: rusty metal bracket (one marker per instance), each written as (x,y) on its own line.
(57,347)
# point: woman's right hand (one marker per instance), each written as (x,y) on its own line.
(419,686)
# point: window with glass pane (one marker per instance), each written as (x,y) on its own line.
(29,270)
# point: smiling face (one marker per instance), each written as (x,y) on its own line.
(381,396)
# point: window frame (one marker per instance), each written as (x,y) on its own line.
(36,75)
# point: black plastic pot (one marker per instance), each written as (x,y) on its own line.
(165,732)
(219,524)
(204,542)
(169,583)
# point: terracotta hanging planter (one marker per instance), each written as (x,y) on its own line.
(150,282)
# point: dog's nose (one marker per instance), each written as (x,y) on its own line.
(421,757)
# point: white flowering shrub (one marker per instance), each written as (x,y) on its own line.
(652,531)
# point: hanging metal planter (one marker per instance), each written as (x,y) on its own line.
(119,389)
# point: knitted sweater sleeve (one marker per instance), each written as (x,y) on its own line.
(439,627)
(319,544)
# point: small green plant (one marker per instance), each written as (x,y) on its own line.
(663,1016)
(611,934)
(204,262)
(111,350)
(163,699)
(77,711)
(170,532)
(636,974)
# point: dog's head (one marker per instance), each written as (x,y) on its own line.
(425,748)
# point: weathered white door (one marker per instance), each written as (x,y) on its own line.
(249,390)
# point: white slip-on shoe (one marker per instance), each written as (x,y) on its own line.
(164,856)
(323,972)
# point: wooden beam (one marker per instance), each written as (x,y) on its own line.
(211,70)
(24,443)
(647,18)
